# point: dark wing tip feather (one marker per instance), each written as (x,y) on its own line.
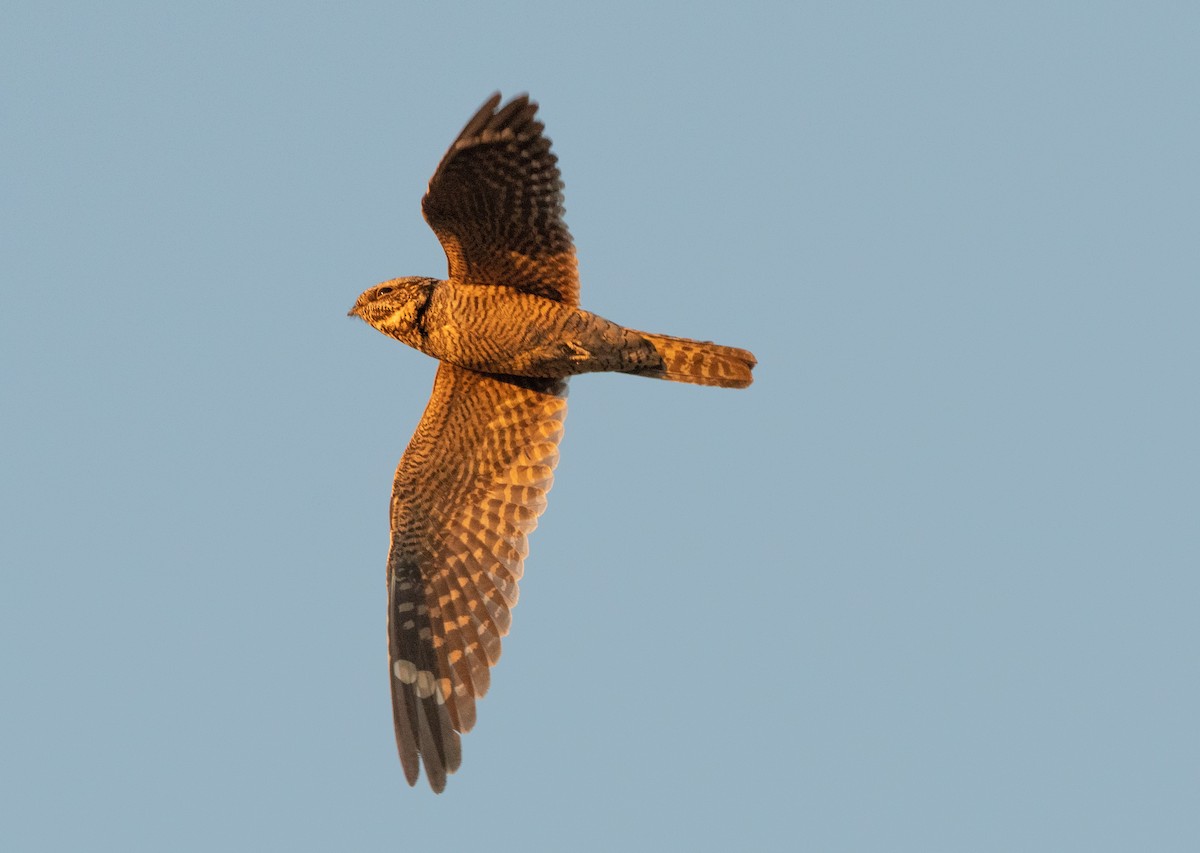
(482,116)
(406,739)
(517,116)
(422,734)
(512,114)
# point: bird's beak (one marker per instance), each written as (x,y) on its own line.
(353,312)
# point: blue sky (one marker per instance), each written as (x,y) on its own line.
(929,585)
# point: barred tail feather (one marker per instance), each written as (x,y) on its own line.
(699,362)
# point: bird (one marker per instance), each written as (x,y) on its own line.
(508,332)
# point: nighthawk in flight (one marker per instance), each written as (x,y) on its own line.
(508,331)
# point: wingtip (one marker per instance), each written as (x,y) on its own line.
(410,775)
(517,101)
(437,783)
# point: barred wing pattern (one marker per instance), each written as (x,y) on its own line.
(469,489)
(496,205)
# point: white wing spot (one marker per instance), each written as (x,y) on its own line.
(424,681)
(405,670)
(426,684)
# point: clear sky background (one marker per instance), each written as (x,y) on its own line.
(931,584)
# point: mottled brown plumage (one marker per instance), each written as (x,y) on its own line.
(508,332)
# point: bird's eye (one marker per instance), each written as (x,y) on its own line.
(384,291)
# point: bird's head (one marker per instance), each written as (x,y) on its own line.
(393,307)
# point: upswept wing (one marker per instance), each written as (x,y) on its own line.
(468,490)
(495,203)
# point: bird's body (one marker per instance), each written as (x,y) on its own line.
(501,330)
(508,332)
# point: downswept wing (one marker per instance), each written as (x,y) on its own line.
(468,491)
(496,205)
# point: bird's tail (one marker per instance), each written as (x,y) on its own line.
(699,362)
